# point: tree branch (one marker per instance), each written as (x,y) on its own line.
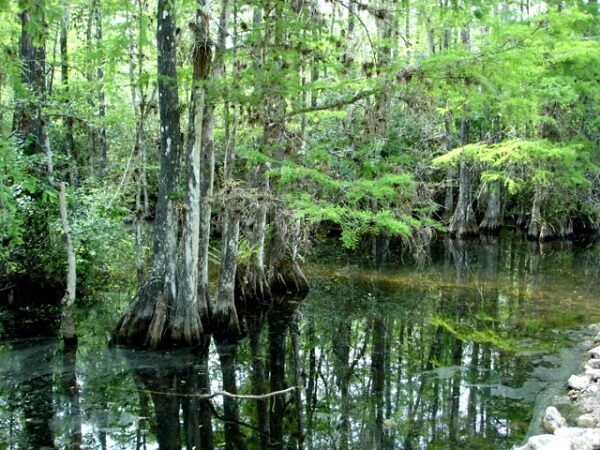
(332,105)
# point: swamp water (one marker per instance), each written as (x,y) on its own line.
(461,353)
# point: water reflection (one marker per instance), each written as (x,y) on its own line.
(453,355)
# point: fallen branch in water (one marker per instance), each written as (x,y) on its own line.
(220,393)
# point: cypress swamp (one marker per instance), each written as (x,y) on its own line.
(299,225)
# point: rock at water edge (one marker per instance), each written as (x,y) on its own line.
(587,420)
(579,382)
(552,420)
(581,438)
(546,442)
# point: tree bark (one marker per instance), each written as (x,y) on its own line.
(101,131)
(64,70)
(67,324)
(187,324)
(147,319)
(28,114)
(463,221)
(491,221)
(534,227)
(207,156)
(225,316)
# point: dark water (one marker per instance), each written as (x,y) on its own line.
(461,353)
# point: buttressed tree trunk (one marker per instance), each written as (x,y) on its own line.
(150,314)
(207,155)
(187,324)
(491,220)
(284,273)
(225,315)
(251,276)
(463,221)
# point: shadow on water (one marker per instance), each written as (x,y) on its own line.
(461,353)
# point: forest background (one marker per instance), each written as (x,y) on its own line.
(248,130)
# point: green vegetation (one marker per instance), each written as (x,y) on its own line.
(268,123)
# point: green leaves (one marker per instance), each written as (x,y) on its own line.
(357,206)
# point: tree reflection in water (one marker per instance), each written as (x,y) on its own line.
(440,357)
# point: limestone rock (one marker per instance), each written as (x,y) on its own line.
(589,403)
(593,373)
(595,352)
(581,438)
(593,363)
(579,382)
(589,420)
(547,442)
(552,420)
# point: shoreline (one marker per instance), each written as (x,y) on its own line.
(580,429)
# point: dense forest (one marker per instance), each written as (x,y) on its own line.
(247,130)
(187,157)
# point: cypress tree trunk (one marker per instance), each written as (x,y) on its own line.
(31,126)
(27,122)
(148,316)
(534,227)
(251,280)
(165,242)
(92,132)
(207,156)
(463,222)
(491,221)
(225,316)
(283,272)
(187,324)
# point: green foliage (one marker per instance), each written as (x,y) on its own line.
(349,204)
(25,209)
(563,171)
